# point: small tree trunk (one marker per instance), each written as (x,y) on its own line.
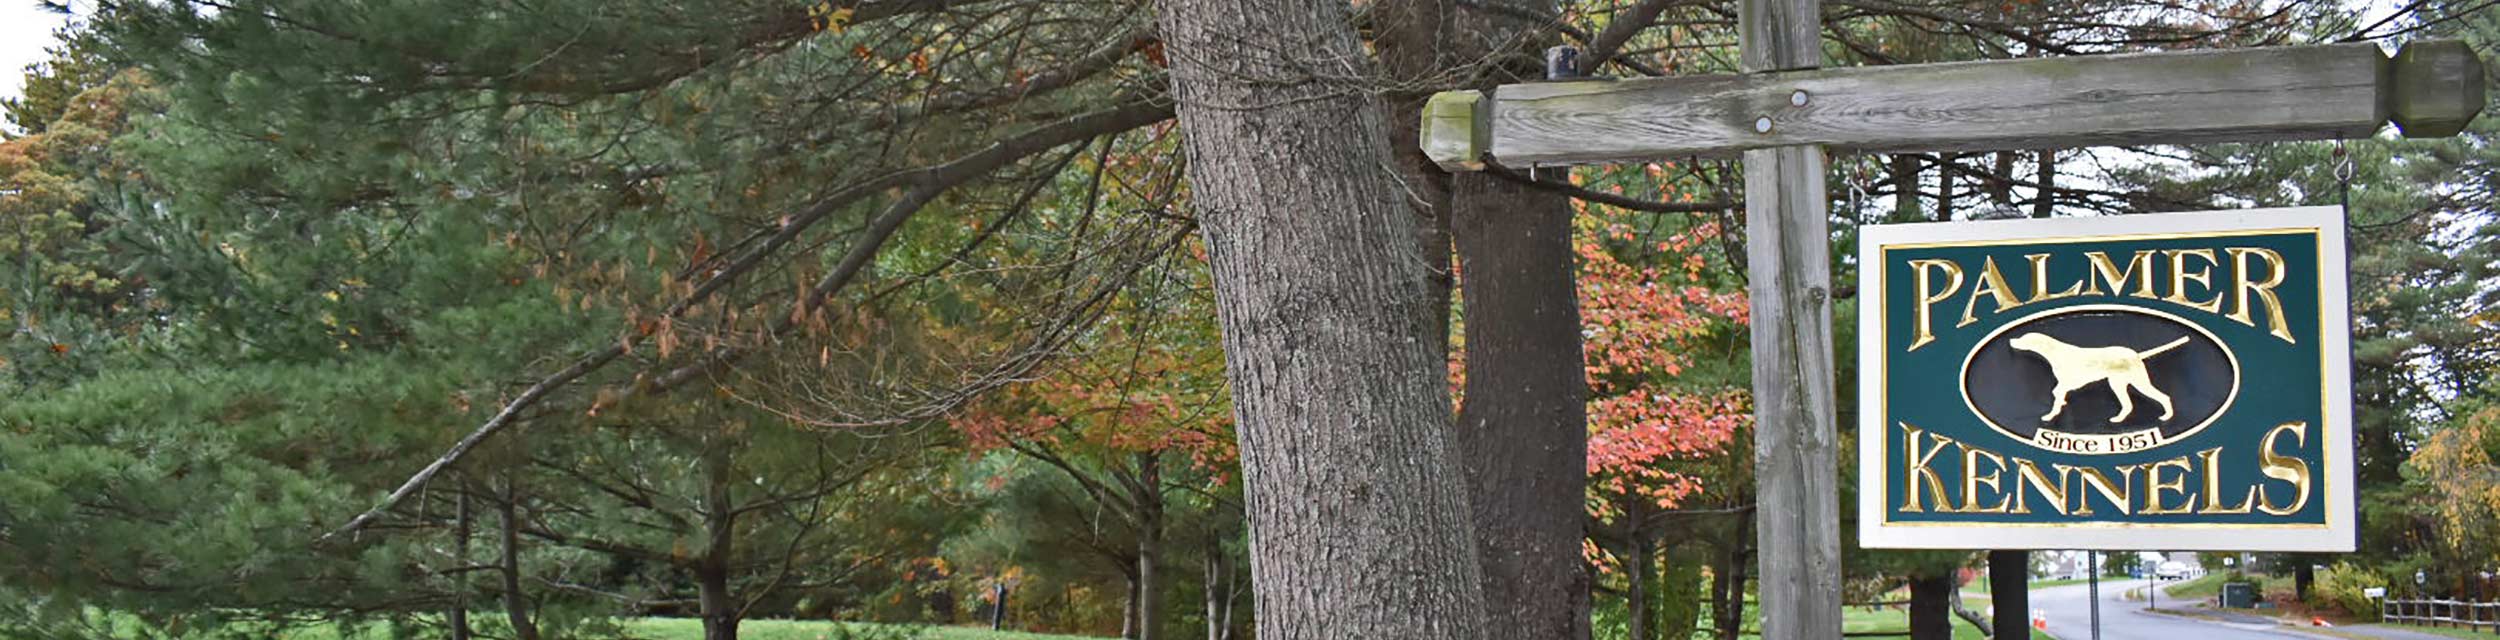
(998,606)
(1128,610)
(1639,570)
(1730,608)
(1905,189)
(1931,607)
(1679,591)
(2046,203)
(720,607)
(1149,501)
(1214,587)
(463,521)
(516,606)
(2001,181)
(1945,164)
(1976,621)
(2302,576)
(2009,584)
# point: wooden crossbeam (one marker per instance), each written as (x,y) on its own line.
(2429,89)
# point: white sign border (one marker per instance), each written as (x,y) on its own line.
(2335,348)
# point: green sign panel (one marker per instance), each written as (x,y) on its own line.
(2171,381)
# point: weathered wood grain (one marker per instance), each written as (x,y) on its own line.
(1788,249)
(1455,130)
(2437,88)
(2239,95)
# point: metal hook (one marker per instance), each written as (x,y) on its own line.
(2343,164)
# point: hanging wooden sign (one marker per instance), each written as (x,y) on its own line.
(2170,381)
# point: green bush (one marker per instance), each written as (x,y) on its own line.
(2340,587)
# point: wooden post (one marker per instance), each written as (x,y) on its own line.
(2009,584)
(1788,255)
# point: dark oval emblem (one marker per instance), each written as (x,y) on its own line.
(2100,379)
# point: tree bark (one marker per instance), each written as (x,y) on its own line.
(1213,587)
(464,520)
(2009,584)
(719,606)
(1128,610)
(1931,606)
(998,608)
(1413,39)
(2046,203)
(1905,189)
(1642,618)
(1729,609)
(1357,507)
(1524,427)
(2302,576)
(516,606)
(1150,524)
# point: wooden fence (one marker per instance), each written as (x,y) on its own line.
(2476,616)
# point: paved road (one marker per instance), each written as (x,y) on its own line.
(2070,618)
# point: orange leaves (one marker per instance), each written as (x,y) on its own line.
(1649,306)
(1640,318)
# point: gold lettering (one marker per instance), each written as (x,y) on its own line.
(2153,504)
(2139,268)
(1928,296)
(1918,475)
(2099,482)
(1971,480)
(2284,468)
(2026,473)
(2242,287)
(1991,282)
(2179,276)
(2213,486)
(2040,280)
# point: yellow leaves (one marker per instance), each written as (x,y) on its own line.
(824,17)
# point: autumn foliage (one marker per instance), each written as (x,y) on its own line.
(1649,309)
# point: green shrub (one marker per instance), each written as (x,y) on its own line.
(2340,587)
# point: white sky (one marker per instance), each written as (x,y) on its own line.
(25,29)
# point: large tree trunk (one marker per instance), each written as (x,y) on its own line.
(1524,427)
(516,605)
(1358,512)
(1931,606)
(719,606)
(1413,38)
(1523,430)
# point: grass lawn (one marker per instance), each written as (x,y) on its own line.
(1860,620)
(2439,631)
(1978,589)
(691,629)
(2204,586)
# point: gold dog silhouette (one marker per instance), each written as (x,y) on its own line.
(2075,367)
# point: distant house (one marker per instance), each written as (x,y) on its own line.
(2062,565)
